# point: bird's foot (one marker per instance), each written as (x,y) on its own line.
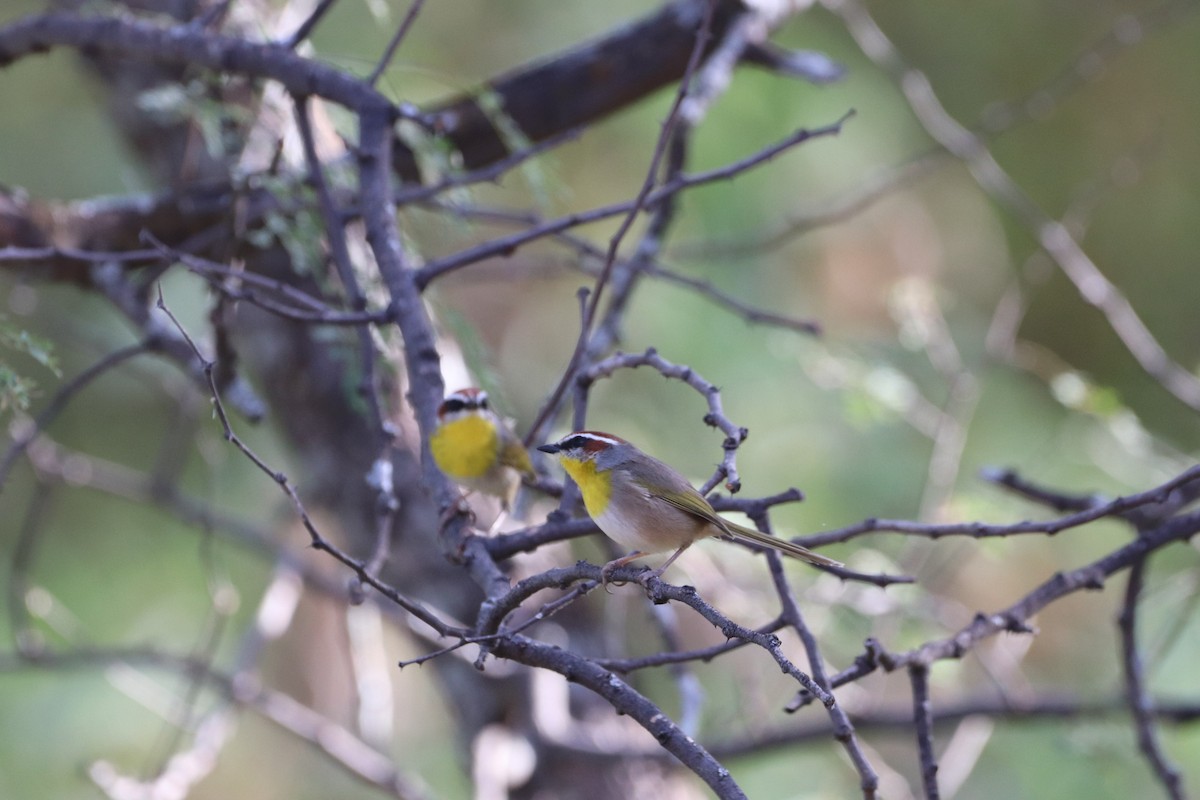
(616,563)
(459,507)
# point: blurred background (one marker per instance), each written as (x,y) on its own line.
(950,344)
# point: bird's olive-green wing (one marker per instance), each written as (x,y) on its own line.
(693,503)
(688,499)
(513,454)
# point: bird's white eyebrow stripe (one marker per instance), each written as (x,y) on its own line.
(595,437)
(468,396)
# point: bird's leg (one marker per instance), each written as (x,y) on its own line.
(459,506)
(615,563)
(500,519)
(657,573)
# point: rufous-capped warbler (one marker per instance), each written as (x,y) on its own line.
(646,505)
(476,448)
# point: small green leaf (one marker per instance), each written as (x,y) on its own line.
(16,390)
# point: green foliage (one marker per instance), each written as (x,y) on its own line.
(294,223)
(199,102)
(16,388)
(542,185)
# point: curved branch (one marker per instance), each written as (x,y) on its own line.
(625,700)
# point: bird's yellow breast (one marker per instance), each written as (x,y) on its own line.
(465,448)
(595,486)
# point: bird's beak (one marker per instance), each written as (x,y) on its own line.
(549,448)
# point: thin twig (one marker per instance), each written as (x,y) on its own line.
(508,244)
(1136,691)
(918,675)
(318,541)
(1016,618)
(626,665)
(393,45)
(715,417)
(980,530)
(654,268)
(633,209)
(309,24)
(660,591)
(843,729)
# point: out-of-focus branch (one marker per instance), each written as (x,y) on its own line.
(342,746)
(662,193)
(544,99)
(1053,237)
(1016,618)
(563,92)
(898,719)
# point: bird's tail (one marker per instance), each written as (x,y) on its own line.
(782,545)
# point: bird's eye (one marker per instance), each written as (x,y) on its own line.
(483,401)
(575,443)
(452,405)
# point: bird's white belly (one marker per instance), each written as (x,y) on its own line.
(626,531)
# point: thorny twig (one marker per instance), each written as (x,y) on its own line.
(318,541)
(734,434)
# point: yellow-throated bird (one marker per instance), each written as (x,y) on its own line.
(646,505)
(476,448)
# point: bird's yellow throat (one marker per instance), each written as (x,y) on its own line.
(595,486)
(465,448)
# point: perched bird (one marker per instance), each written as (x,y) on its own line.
(646,505)
(476,448)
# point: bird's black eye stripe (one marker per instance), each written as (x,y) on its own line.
(483,402)
(576,442)
(453,404)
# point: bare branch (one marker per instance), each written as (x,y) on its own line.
(1136,691)
(979,530)
(389,52)
(918,675)
(843,729)
(319,542)
(734,434)
(625,700)
(1016,618)
(898,720)
(583,345)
